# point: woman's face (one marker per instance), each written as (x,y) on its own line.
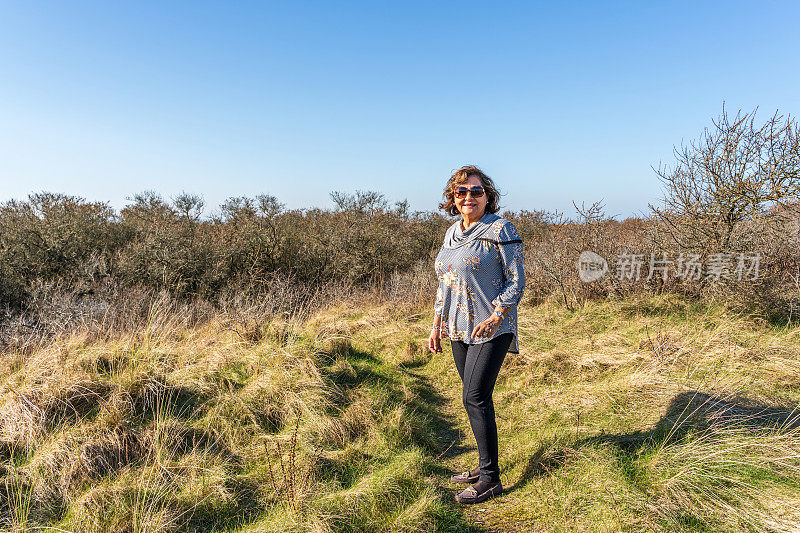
(468,205)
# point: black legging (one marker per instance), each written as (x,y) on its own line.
(478,366)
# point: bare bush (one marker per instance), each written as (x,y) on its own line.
(731,192)
(733,172)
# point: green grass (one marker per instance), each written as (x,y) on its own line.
(612,418)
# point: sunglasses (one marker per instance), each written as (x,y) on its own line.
(461,192)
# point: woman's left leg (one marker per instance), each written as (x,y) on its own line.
(481,368)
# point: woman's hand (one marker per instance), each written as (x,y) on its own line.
(488,327)
(434,341)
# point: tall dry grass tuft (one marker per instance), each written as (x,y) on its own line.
(720,461)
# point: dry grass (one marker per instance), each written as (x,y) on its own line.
(213,425)
(649,413)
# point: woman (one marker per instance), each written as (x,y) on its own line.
(481,280)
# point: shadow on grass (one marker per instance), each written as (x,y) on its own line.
(695,410)
(438,433)
(443,424)
(245,507)
(688,411)
(415,363)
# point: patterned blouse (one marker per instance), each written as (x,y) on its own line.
(477,276)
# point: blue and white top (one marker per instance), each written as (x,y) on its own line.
(478,269)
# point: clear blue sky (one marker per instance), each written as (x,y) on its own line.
(557,101)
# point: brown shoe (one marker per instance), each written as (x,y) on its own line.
(471,495)
(467,477)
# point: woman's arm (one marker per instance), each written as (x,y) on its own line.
(513,281)
(434,339)
(438,305)
(511,255)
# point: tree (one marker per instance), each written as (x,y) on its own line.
(363,203)
(733,173)
(189,205)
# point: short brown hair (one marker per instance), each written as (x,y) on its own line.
(461,176)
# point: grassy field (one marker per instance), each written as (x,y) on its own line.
(650,413)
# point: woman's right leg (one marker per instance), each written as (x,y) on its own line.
(460,358)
